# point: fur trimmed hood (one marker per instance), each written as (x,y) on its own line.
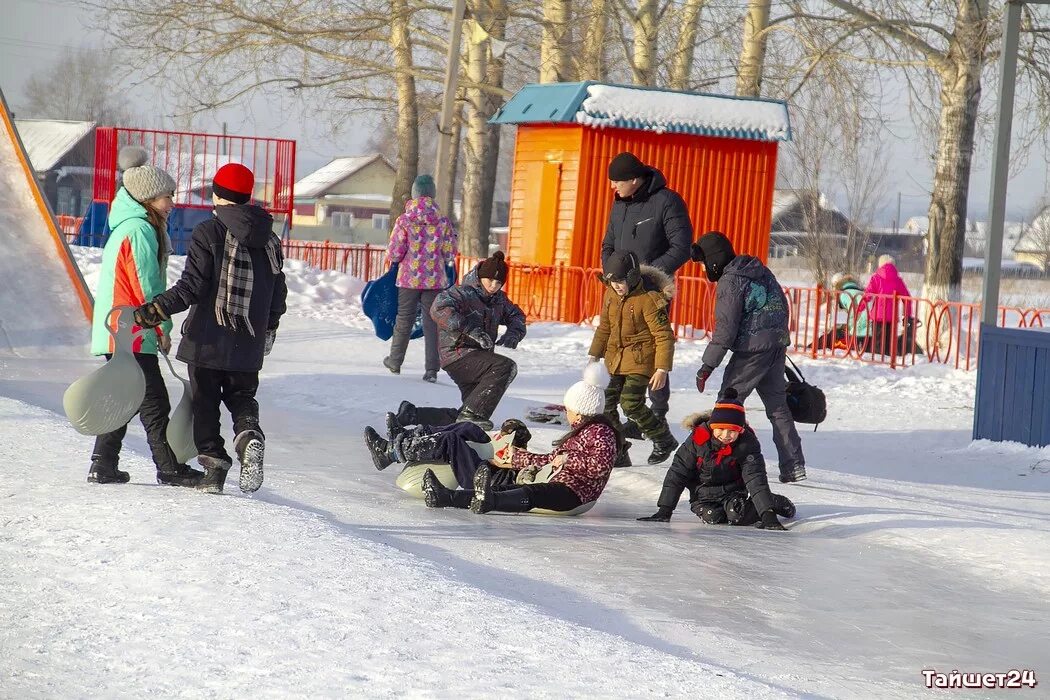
(694,419)
(653,280)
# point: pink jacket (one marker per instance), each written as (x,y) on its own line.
(886,282)
(589,459)
(423,242)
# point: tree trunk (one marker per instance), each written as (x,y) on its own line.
(960,97)
(482,147)
(556,41)
(753,50)
(592,64)
(407,108)
(447,195)
(685,47)
(644,22)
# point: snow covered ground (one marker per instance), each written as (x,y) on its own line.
(912,549)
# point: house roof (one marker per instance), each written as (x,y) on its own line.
(47,141)
(316,183)
(647,109)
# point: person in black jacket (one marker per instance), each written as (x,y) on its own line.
(751,319)
(651,221)
(722,466)
(235,290)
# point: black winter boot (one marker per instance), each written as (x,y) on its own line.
(623,457)
(389,364)
(406,413)
(468,416)
(631,430)
(380,449)
(183,475)
(251,448)
(430,376)
(783,506)
(663,448)
(482,500)
(102,472)
(215,470)
(393,427)
(435,495)
(793,474)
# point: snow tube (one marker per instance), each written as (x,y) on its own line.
(379,304)
(180,424)
(110,396)
(410,480)
(578,510)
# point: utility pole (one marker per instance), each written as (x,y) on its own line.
(897,222)
(444,151)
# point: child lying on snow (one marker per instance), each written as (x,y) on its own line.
(721,464)
(574,474)
(463,446)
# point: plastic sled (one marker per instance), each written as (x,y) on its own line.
(110,396)
(379,304)
(180,424)
(578,510)
(410,480)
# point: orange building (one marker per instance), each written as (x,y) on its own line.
(719,153)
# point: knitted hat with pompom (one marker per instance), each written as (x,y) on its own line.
(587,397)
(143,182)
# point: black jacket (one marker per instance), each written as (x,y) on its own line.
(751,311)
(204,342)
(711,472)
(653,224)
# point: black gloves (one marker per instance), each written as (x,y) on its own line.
(150,315)
(521,433)
(663,515)
(509,343)
(481,339)
(769,522)
(702,376)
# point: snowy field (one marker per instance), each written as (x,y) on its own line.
(912,549)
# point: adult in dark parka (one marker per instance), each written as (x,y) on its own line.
(235,290)
(651,221)
(751,319)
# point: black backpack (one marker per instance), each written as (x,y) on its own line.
(807,403)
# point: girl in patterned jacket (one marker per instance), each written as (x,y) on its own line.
(423,244)
(572,475)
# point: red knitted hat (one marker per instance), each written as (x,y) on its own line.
(234,182)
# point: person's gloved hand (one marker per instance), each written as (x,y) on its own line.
(509,343)
(164,343)
(769,521)
(150,315)
(702,376)
(271,335)
(481,339)
(663,515)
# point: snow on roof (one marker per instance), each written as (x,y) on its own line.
(316,183)
(47,141)
(677,112)
(384,198)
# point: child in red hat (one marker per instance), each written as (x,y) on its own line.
(721,464)
(235,290)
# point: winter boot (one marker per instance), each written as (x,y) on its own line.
(482,500)
(430,376)
(184,475)
(793,474)
(389,364)
(106,473)
(468,416)
(631,430)
(663,447)
(215,470)
(435,495)
(406,413)
(393,427)
(623,457)
(381,453)
(783,506)
(250,447)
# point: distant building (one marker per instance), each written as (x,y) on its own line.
(1032,244)
(347,200)
(63,157)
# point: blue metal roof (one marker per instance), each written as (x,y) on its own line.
(560,103)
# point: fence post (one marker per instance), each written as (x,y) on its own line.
(893,334)
(816,323)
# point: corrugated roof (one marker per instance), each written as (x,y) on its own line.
(318,182)
(648,109)
(48,140)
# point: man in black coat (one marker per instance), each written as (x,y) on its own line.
(651,221)
(235,290)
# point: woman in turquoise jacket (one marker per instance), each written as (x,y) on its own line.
(134,270)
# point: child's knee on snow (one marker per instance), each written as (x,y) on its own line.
(710,513)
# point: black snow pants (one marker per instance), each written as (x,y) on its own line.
(408,303)
(446,445)
(514,498)
(483,378)
(234,389)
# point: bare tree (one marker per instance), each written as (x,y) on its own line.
(79,86)
(753,48)
(595,22)
(556,42)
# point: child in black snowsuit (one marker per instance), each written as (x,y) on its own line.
(721,464)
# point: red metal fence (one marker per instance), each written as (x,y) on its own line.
(890,330)
(192,159)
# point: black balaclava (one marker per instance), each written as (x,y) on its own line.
(715,251)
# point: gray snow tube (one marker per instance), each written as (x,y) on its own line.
(110,396)
(180,424)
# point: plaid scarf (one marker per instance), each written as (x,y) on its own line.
(236,279)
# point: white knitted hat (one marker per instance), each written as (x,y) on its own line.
(587,397)
(143,182)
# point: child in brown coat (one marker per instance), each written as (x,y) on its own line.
(636,340)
